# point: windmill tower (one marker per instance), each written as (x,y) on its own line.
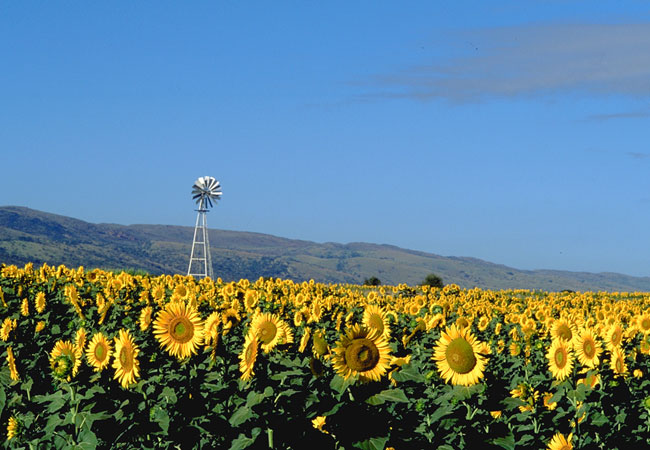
(204,191)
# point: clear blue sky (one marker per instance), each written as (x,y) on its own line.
(515,132)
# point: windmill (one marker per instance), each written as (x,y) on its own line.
(204,191)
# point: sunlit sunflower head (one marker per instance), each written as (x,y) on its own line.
(125,363)
(65,359)
(375,317)
(560,359)
(304,340)
(13,428)
(267,328)
(563,329)
(179,329)
(362,352)
(559,442)
(158,293)
(98,352)
(643,323)
(614,337)
(40,302)
(211,329)
(145,318)
(250,299)
(458,358)
(248,356)
(80,338)
(11,362)
(587,349)
(181,291)
(617,362)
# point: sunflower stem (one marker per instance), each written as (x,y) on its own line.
(269,433)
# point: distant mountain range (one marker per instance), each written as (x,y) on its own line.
(27,235)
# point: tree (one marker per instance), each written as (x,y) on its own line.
(433,280)
(372,281)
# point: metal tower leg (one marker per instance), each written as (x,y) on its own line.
(200,257)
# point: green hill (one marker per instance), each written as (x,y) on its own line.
(27,235)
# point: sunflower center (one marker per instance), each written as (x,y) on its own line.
(361,355)
(619,365)
(616,337)
(267,332)
(560,358)
(125,359)
(100,352)
(645,324)
(460,356)
(589,349)
(564,332)
(181,329)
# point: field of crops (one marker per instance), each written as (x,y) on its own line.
(96,359)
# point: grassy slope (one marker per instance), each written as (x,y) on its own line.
(28,235)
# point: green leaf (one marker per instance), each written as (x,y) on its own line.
(240,416)
(168,395)
(3,400)
(388,395)
(376,443)
(161,417)
(507,442)
(339,384)
(87,440)
(244,441)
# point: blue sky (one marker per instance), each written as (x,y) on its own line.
(515,132)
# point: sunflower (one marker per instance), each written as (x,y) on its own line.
(179,329)
(304,340)
(158,293)
(40,302)
(375,317)
(248,356)
(13,426)
(563,329)
(560,360)
(643,323)
(145,318)
(319,345)
(587,349)
(80,338)
(125,363)
(65,359)
(7,326)
(614,337)
(211,329)
(559,442)
(24,307)
(98,352)
(11,361)
(363,352)
(267,328)
(250,299)
(617,362)
(457,356)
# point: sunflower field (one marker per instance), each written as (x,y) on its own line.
(97,359)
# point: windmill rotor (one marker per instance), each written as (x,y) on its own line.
(205,191)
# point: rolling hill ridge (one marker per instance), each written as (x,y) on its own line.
(28,235)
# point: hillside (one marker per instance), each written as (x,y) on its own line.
(27,235)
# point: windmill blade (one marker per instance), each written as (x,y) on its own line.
(206,191)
